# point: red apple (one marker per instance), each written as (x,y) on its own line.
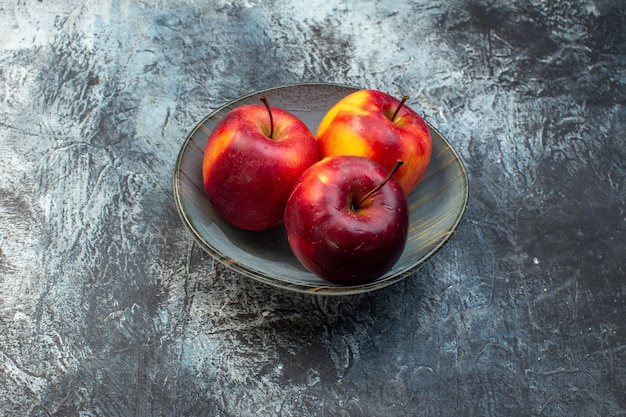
(252,160)
(347,219)
(375,125)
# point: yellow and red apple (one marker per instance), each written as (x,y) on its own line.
(375,125)
(253,157)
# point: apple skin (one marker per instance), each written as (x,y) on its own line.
(248,176)
(332,239)
(360,124)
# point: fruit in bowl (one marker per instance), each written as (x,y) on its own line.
(347,219)
(375,125)
(253,157)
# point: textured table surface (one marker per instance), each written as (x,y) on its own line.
(109,308)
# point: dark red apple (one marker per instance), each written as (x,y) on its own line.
(252,160)
(347,219)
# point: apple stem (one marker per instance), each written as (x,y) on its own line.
(395,168)
(269,110)
(404,99)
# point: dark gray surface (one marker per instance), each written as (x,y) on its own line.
(108,308)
